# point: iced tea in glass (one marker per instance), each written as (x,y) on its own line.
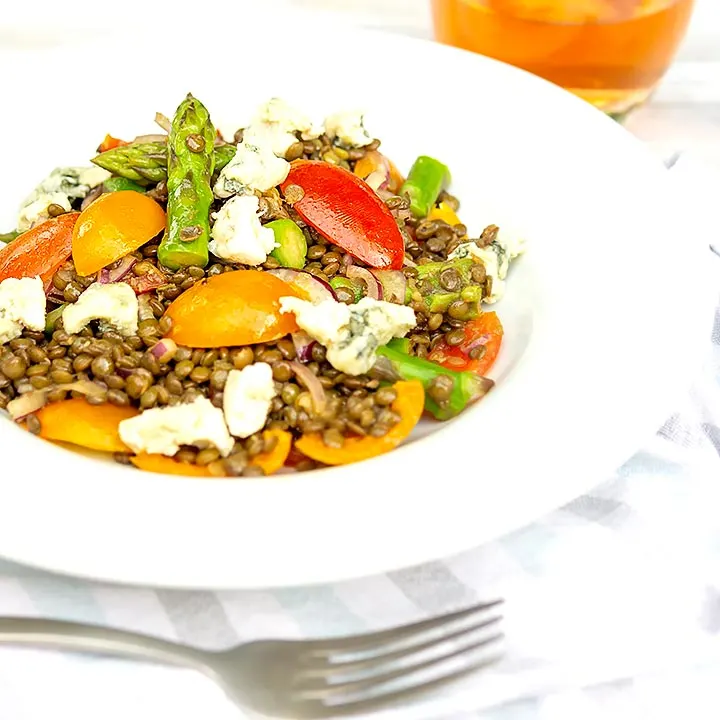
(609,52)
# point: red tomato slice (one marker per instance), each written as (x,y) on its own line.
(346,211)
(485,331)
(109,143)
(39,251)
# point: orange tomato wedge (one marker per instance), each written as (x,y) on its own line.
(39,251)
(408,404)
(90,426)
(163,464)
(241,307)
(114,225)
(272,461)
(442,211)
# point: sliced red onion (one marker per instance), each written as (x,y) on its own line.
(311,382)
(316,289)
(118,272)
(393,284)
(480,340)
(30,402)
(164,351)
(151,280)
(374,288)
(303,345)
(150,138)
(92,196)
(25,404)
(145,311)
(163,121)
(53,294)
(377,180)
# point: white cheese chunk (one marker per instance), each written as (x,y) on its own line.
(348,127)
(22,304)
(247,398)
(276,125)
(495,257)
(163,430)
(36,211)
(238,235)
(351,333)
(114,303)
(60,187)
(253,167)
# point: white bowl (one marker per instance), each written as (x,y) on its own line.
(599,341)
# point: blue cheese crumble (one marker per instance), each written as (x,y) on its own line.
(163,430)
(348,128)
(496,257)
(351,334)
(238,235)
(22,305)
(60,187)
(276,125)
(113,303)
(247,398)
(253,167)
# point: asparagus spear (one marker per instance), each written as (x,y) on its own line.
(447,392)
(290,243)
(190,169)
(442,283)
(8,236)
(147,162)
(426,179)
(116,184)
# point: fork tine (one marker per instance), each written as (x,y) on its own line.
(326,670)
(383,701)
(322,648)
(327,692)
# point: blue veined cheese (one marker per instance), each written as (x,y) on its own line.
(276,124)
(351,334)
(60,187)
(496,257)
(36,211)
(22,305)
(348,127)
(253,167)
(114,303)
(238,235)
(163,430)
(247,397)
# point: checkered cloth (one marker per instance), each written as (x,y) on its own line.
(613,605)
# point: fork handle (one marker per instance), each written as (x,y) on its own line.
(82,638)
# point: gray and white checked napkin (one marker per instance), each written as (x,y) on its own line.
(613,601)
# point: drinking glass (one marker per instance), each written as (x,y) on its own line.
(612,53)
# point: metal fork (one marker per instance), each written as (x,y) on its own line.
(303,679)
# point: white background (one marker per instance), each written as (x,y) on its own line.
(685,113)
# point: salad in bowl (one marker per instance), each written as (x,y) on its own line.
(280,301)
